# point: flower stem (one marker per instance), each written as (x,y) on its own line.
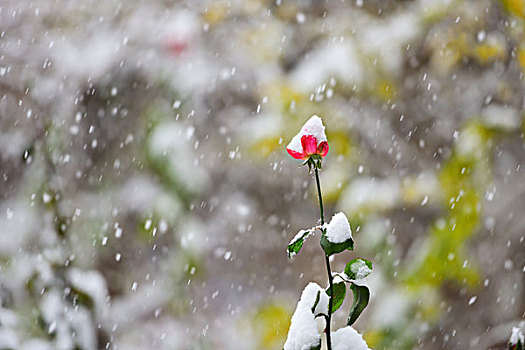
(328,268)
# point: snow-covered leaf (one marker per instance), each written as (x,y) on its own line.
(303,333)
(338,230)
(359,268)
(334,248)
(347,338)
(297,242)
(337,236)
(516,341)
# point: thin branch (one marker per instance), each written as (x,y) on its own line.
(327,260)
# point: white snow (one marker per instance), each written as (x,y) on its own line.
(392,307)
(371,193)
(183,28)
(470,142)
(338,230)
(102,48)
(501,116)
(300,235)
(360,282)
(303,333)
(314,126)
(348,338)
(338,60)
(516,336)
(360,269)
(93,284)
(171,144)
(304,234)
(295,144)
(339,277)
(71,324)
(310,295)
(8,339)
(36,344)
(385,39)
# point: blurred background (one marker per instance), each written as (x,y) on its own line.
(146,196)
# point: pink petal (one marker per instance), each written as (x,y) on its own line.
(309,143)
(322,149)
(176,47)
(296,155)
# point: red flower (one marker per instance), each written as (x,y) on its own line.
(311,140)
(181,34)
(176,46)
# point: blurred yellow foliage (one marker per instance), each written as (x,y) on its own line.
(373,338)
(285,94)
(266,146)
(516,7)
(486,53)
(271,323)
(467,41)
(444,257)
(287,11)
(340,143)
(449,50)
(429,311)
(415,190)
(216,12)
(521,57)
(385,89)
(262,44)
(411,194)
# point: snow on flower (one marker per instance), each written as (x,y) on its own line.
(310,140)
(338,230)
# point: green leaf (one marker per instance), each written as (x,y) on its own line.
(361,297)
(319,163)
(334,248)
(317,298)
(296,243)
(339,295)
(310,162)
(358,268)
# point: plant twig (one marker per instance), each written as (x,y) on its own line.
(327,259)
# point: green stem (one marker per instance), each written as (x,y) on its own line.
(319,194)
(328,268)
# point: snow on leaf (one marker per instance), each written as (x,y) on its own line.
(338,236)
(338,230)
(334,248)
(347,338)
(297,242)
(358,269)
(303,333)
(516,340)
